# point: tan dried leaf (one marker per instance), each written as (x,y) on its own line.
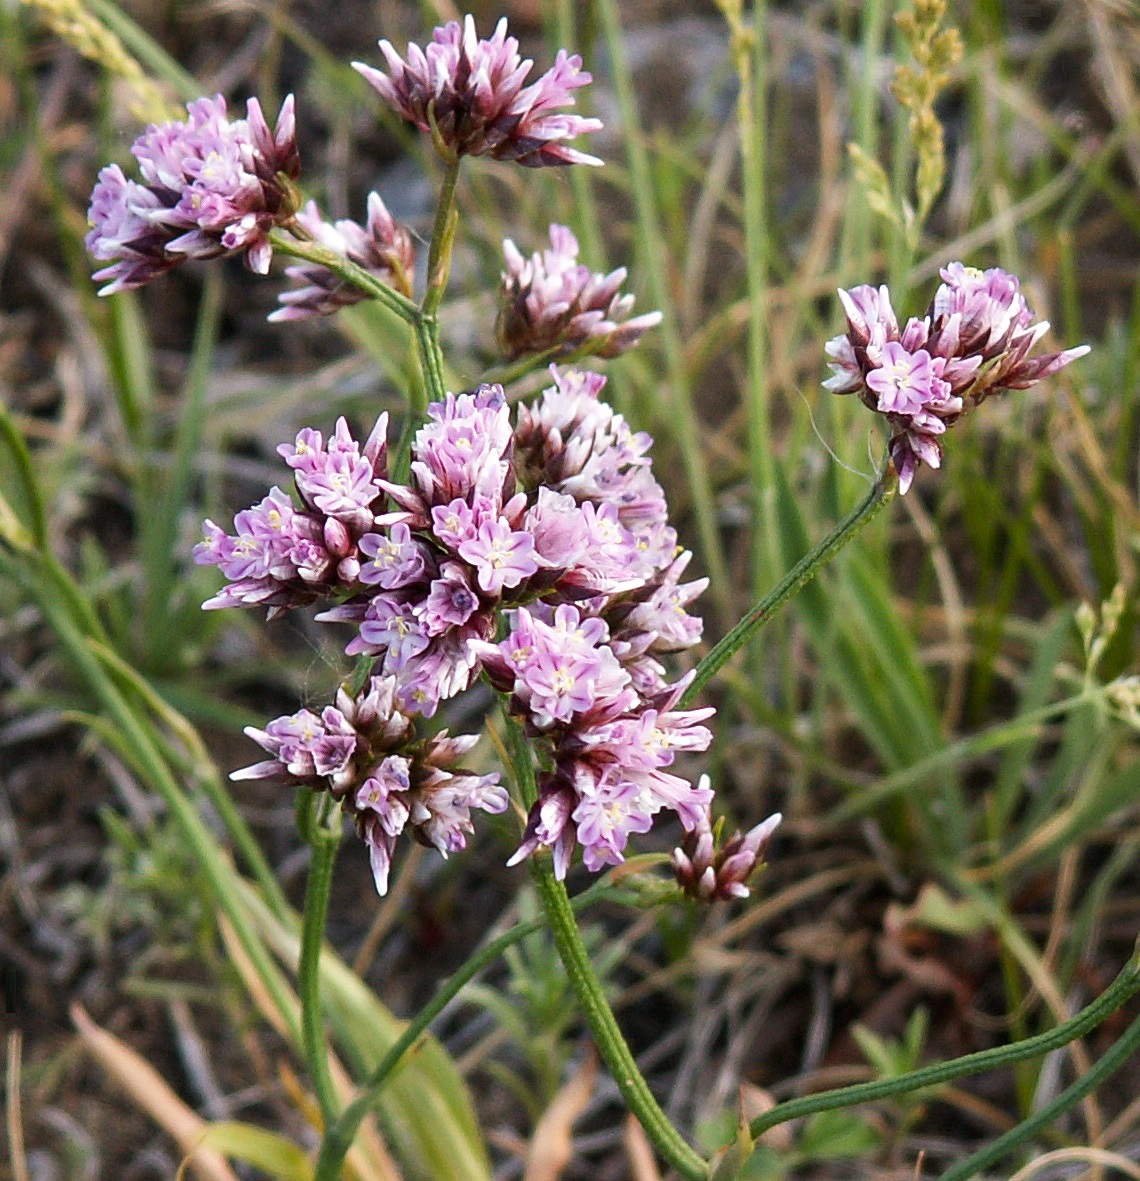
(551,1147)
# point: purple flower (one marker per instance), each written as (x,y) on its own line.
(469,96)
(906,382)
(210,186)
(450,602)
(502,556)
(973,342)
(604,819)
(383,247)
(396,560)
(550,301)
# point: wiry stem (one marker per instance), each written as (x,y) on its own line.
(1126,985)
(794,581)
(324,839)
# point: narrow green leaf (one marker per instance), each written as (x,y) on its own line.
(269,1151)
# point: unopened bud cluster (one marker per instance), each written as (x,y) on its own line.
(711,870)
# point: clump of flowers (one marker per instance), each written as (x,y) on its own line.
(554,524)
(382,247)
(469,95)
(364,752)
(210,186)
(282,555)
(551,301)
(973,342)
(531,549)
(709,870)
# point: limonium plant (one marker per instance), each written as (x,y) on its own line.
(522,546)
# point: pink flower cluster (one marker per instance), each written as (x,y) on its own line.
(283,554)
(364,751)
(974,341)
(469,95)
(555,525)
(210,186)
(551,301)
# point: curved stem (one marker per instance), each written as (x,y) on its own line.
(1126,985)
(608,1037)
(324,838)
(1085,1085)
(285,243)
(340,1134)
(794,581)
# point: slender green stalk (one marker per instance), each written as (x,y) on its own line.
(599,1016)
(340,1134)
(442,240)
(794,581)
(324,839)
(1116,1057)
(431,359)
(603,1025)
(1125,986)
(285,243)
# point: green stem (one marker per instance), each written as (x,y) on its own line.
(1085,1085)
(324,838)
(285,243)
(340,1134)
(442,240)
(794,581)
(608,1037)
(1126,985)
(431,360)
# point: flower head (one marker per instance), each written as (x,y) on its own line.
(364,751)
(469,95)
(210,186)
(973,342)
(551,301)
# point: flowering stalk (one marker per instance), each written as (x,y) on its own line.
(587,987)
(793,582)
(603,1025)
(285,243)
(323,833)
(442,240)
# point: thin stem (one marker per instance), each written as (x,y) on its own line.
(608,1037)
(324,839)
(431,360)
(442,240)
(343,268)
(1126,985)
(794,581)
(1112,1061)
(340,1134)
